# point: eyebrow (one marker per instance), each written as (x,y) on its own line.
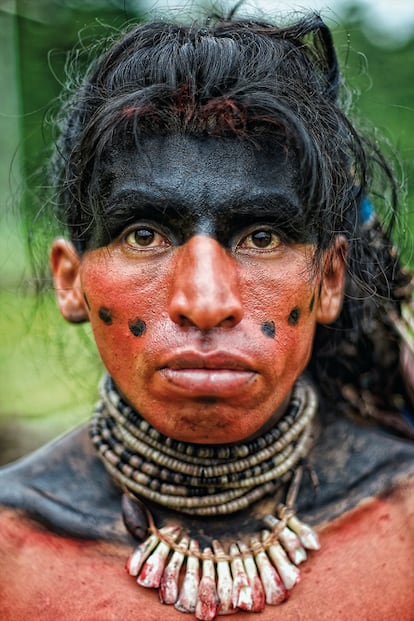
(259,204)
(277,209)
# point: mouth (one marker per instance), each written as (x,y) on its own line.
(219,374)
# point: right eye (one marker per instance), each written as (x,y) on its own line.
(142,237)
(260,240)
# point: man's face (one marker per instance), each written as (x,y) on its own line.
(203,299)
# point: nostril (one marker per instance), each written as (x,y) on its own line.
(228,322)
(184,321)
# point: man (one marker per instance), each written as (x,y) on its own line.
(222,247)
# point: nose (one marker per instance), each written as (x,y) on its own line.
(205,286)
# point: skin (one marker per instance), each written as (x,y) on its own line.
(203,251)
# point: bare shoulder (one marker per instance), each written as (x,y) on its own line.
(64,486)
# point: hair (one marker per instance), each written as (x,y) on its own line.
(254,81)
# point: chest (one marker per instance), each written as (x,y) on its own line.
(364,570)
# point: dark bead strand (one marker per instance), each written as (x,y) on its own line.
(170,480)
(206,470)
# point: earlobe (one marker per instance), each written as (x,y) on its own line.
(332,282)
(65,264)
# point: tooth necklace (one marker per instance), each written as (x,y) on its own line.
(201,480)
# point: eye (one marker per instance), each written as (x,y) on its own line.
(259,239)
(144,237)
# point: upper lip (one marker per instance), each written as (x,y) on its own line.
(214,360)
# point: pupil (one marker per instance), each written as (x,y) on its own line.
(261,239)
(144,237)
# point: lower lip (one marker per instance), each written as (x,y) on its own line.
(208,382)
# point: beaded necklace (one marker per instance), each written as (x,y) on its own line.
(206,481)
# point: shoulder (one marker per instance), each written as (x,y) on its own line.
(351,463)
(64,486)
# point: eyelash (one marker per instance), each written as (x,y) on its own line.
(274,237)
(153,234)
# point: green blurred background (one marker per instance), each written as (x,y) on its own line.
(49,370)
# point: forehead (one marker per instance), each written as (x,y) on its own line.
(202,173)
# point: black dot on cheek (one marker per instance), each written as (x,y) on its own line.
(294,316)
(312,303)
(137,327)
(105,315)
(268,329)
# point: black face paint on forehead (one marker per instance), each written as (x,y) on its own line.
(268,329)
(294,316)
(188,185)
(105,315)
(137,326)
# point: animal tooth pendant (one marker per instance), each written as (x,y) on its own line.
(224,580)
(187,599)
(289,573)
(305,533)
(153,568)
(242,592)
(208,602)
(169,582)
(140,554)
(289,540)
(258,594)
(275,590)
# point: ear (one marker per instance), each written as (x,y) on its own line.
(332,282)
(65,265)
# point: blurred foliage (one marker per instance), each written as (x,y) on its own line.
(380,72)
(48,369)
(54,41)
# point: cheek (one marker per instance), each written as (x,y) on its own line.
(119,315)
(119,294)
(288,321)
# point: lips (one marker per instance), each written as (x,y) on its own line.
(218,374)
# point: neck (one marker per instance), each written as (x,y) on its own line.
(196,479)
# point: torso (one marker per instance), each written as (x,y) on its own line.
(63,543)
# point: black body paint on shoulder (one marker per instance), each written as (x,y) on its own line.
(137,326)
(106,315)
(294,316)
(268,329)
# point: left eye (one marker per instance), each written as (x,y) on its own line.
(144,237)
(260,239)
